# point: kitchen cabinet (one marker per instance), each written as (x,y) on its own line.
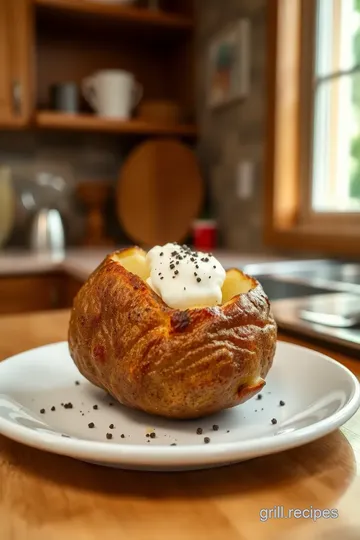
(20,294)
(37,292)
(71,287)
(45,42)
(16,46)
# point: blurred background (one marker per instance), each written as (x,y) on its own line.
(232,126)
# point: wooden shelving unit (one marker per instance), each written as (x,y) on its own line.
(47,42)
(89,122)
(135,15)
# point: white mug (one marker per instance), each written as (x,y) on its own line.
(112,93)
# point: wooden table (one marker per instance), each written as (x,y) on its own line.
(49,497)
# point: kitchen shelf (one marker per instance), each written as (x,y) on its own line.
(134,15)
(89,122)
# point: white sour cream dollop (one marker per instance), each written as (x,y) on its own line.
(184,278)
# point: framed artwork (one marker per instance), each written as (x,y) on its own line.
(229,65)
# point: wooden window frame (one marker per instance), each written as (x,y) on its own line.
(289,223)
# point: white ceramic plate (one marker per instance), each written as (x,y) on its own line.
(319,394)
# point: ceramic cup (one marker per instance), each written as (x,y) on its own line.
(65,97)
(112,93)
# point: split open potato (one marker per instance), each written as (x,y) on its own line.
(174,363)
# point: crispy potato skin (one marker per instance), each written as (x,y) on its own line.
(173,363)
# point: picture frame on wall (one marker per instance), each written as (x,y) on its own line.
(229,65)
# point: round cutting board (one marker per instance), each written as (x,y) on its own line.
(160,192)
(7,204)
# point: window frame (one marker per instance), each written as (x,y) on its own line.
(290,223)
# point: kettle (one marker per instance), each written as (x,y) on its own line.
(47,232)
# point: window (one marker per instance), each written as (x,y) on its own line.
(336,125)
(313,182)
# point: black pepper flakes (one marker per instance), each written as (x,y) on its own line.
(172,266)
(176,272)
(42,411)
(77,383)
(91,425)
(228,431)
(197,266)
(215,427)
(259,396)
(281,403)
(68,405)
(95,407)
(111,426)
(273,421)
(198,279)
(152,435)
(184,288)
(53,408)
(195,274)
(214,267)
(109,435)
(162,277)
(111,404)
(148,435)
(122,436)
(206,440)
(161,254)
(173,444)
(199,431)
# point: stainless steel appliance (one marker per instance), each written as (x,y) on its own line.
(47,232)
(319,299)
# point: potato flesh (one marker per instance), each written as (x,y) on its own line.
(134,261)
(235,284)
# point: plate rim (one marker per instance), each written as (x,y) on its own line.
(231,451)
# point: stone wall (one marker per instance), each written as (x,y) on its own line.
(235,132)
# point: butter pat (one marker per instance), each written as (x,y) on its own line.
(184,278)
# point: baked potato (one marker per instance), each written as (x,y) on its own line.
(175,363)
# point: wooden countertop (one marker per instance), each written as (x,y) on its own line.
(45,496)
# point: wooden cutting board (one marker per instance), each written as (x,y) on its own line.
(159,193)
(7,204)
